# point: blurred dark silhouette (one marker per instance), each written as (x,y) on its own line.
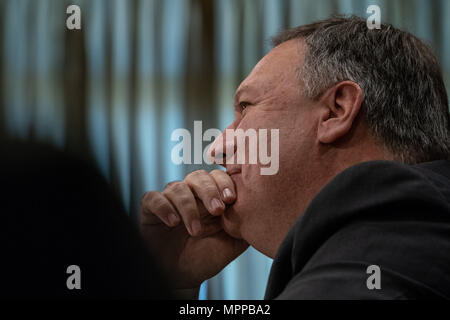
(58,211)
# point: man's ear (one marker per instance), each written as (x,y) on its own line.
(340,107)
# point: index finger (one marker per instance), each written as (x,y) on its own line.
(225,185)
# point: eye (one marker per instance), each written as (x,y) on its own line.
(244,105)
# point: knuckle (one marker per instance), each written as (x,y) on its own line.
(157,203)
(217,172)
(210,190)
(219,175)
(170,184)
(197,174)
(185,201)
(148,197)
(222,178)
(177,186)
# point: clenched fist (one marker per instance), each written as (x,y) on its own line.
(183,227)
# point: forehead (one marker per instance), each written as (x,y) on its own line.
(278,68)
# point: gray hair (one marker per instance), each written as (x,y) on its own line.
(405,101)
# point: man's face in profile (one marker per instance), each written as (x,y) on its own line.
(270,98)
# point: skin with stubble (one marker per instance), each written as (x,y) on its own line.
(196,236)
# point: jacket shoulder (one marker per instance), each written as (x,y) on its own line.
(380,207)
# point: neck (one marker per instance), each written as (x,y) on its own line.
(331,162)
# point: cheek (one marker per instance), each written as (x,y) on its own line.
(293,135)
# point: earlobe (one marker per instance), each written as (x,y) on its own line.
(341,105)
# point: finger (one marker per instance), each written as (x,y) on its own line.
(225,185)
(210,224)
(205,188)
(155,208)
(182,198)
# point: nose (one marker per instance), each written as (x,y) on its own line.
(222,149)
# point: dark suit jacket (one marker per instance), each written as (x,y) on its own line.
(376,213)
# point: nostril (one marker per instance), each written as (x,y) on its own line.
(222,149)
(220,155)
(219,158)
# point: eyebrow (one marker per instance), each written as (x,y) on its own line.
(241,91)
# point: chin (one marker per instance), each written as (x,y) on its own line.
(231,223)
